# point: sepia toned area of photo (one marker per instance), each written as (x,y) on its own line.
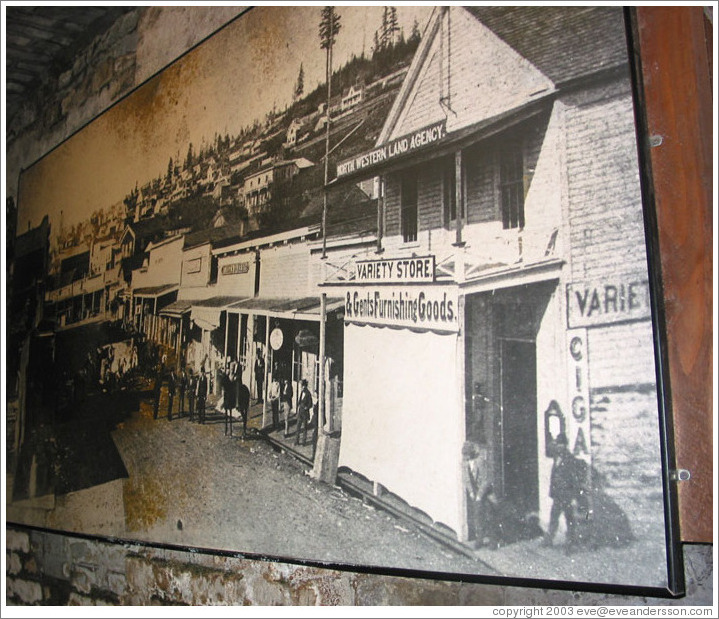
(399,321)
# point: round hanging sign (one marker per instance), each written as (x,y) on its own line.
(276,338)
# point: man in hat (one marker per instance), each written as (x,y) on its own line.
(202,395)
(304,406)
(565,488)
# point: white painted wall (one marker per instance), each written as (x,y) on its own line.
(401,423)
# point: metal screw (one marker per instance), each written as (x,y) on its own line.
(655,140)
(680,475)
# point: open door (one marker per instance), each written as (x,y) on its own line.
(520,468)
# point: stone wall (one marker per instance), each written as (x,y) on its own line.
(53,569)
(48,568)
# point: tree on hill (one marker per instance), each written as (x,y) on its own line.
(190,158)
(300,84)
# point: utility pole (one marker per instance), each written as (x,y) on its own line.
(329,27)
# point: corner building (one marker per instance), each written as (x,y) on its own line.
(508,164)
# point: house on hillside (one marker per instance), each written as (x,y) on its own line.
(352,97)
(257,188)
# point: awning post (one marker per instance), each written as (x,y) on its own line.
(323,330)
(264,381)
(459,195)
(380,213)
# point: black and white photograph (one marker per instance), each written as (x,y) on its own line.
(363,287)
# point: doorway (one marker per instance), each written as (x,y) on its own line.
(520,467)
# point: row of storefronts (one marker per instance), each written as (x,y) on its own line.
(506,298)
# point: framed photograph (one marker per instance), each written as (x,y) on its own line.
(361,287)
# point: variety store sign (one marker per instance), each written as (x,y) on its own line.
(426,136)
(608,301)
(396,270)
(422,307)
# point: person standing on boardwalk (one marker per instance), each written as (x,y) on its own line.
(201,395)
(191,392)
(243,402)
(259,374)
(183,387)
(171,388)
(229,396)
(157,391)
(273,395)
(304,406)
(286,399)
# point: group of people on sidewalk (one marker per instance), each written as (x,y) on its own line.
(279,395)
(235,398)
(235,395)
(185,384)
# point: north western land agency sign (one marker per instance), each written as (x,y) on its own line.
(401,146)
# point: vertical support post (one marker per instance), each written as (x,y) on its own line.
(155,335)
(459,195)
(251,352)
(462,407)
(323,332)
(179,343)
(380,214)
(327,141)
(227,334)
(265,412)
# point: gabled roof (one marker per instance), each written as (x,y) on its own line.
(564,42)
(215,236)
(501,57)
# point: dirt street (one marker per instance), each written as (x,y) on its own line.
(189,484)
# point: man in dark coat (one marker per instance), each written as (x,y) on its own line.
(202,395)
(565,489)
(171,387)
(191,392)
(156,393)
(243,402)
(229,395)
(183,388)
(304,406)
(260,375)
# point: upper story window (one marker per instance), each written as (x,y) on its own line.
(409,214)
(449,191)
(511,186)
(213,270)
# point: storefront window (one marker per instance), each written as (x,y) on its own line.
(409,208)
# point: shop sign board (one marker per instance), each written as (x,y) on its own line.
(193,266)
(396,270)
(426,136)
(420,307)
(236,268)
(603,302)
(276,338)
(580,426)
